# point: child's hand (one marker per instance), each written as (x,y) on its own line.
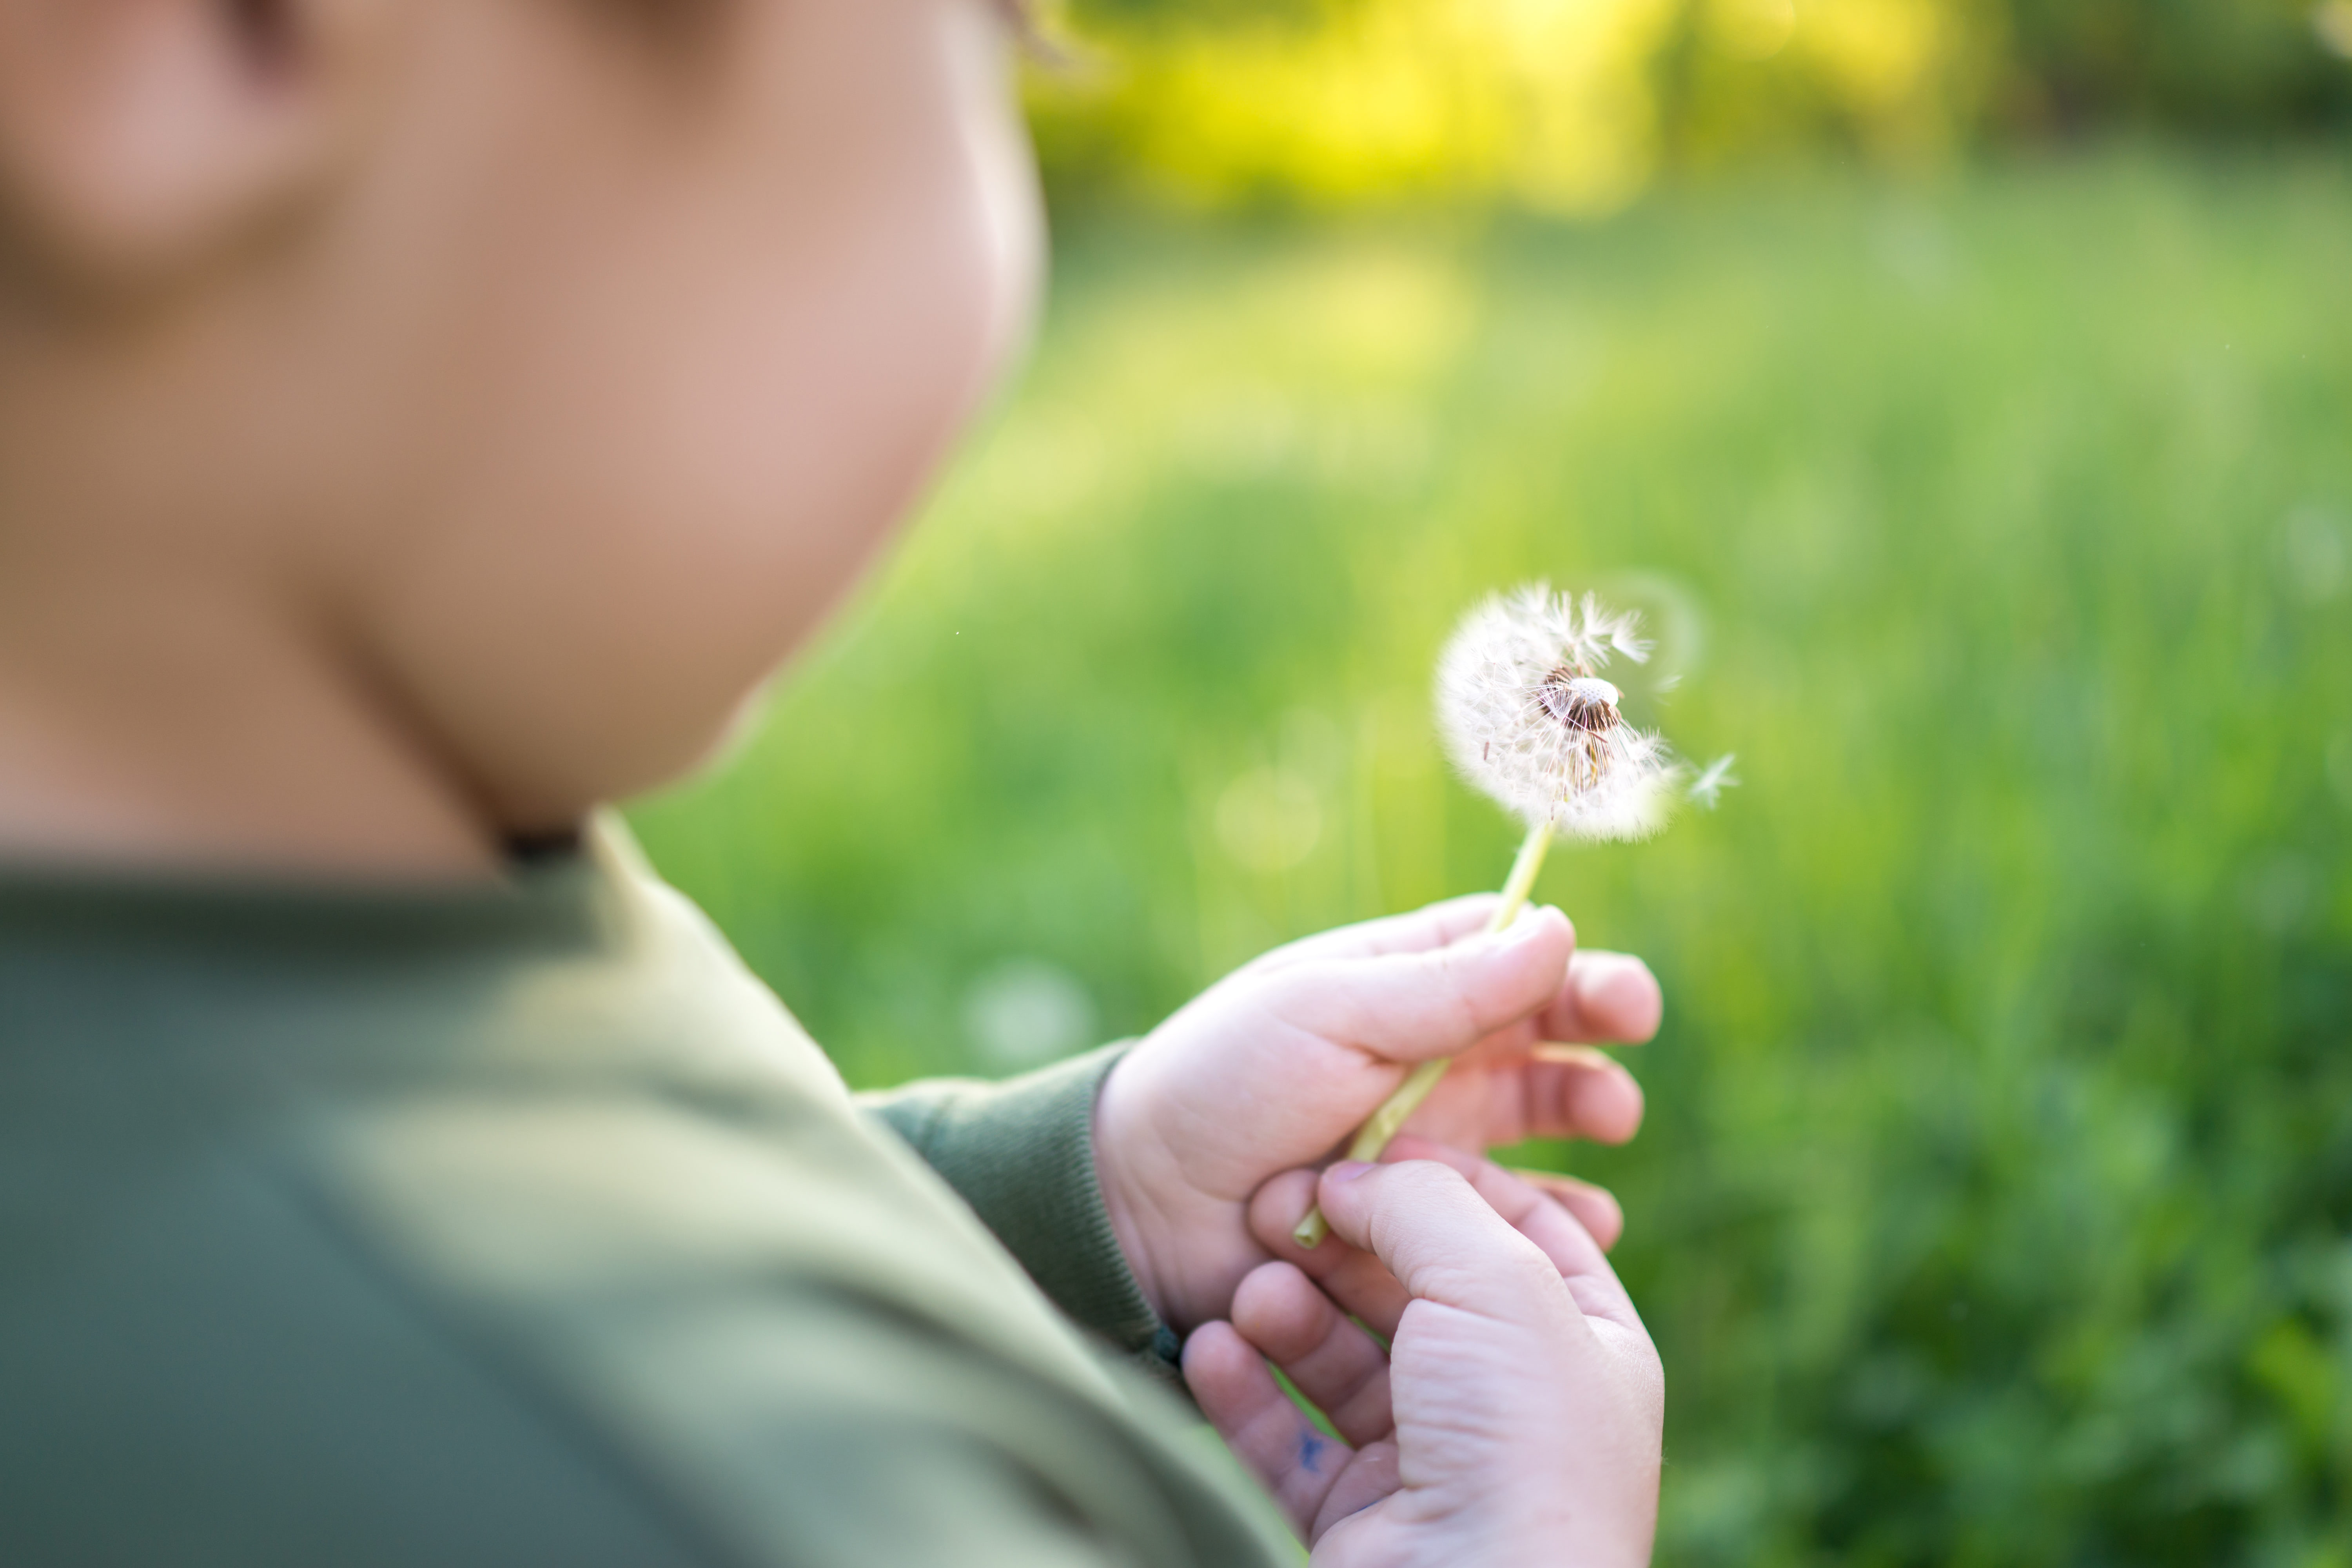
(1516,1417)
(1271,1067)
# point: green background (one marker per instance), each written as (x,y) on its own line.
(1993,1200)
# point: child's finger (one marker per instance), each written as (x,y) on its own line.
(1595,1208)
(1362,1286)
(1576,1091)
(1340,1369)
(1295,1460)
(1371,1476)
(1445,1242)
(1410,1006)
(1360,1282)
(1551,1225)
(1608,996)
(1432,926)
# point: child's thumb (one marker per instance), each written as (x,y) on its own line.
(1410,1006)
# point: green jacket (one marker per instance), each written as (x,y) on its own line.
(521,1224)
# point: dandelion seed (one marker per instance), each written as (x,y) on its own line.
(1527,718)
(1705,789)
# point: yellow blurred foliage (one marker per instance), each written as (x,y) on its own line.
(1879,59)
(1554,105)
(1542,102)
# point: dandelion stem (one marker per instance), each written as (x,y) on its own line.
(1382,1124)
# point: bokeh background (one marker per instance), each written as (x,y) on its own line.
(1964,388)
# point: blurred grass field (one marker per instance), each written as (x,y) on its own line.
(1993,1202)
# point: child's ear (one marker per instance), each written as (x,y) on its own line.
(139,136)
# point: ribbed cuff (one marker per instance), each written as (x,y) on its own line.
(1021,1153)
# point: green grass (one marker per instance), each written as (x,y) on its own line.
(1993,1203)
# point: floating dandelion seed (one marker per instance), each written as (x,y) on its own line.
(1528,719)
(1709,785)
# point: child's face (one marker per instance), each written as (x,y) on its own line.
(599,358)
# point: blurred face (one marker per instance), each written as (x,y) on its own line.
(612,343)
(699,329)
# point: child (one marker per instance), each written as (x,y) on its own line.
(421,422)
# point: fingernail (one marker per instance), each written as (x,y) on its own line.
(1526,929)
(1347,1171)
(1565,1054)
(1596,970)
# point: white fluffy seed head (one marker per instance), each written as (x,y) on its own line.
(1527,718)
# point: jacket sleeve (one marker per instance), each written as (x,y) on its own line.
(1021,1153)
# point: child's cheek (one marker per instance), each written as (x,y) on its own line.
(695,434)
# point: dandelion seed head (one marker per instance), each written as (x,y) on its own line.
(1528,719)
(1579,701)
